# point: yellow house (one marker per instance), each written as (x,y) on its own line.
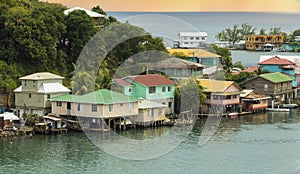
(263,42)
(150,112)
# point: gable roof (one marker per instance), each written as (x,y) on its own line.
(88,12)
(200,53)
(276,77)
(174,62)
(212,85)
(101,96)
(122,82)
(152,80)
(52,88)
(42,76)
(277,61)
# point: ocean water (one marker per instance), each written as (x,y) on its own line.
(263,143)
(168,24)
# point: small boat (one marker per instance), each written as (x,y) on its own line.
(289,105)
(233,115)
(278,109)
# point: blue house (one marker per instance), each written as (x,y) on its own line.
(276,64)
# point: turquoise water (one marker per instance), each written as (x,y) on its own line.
(265,143)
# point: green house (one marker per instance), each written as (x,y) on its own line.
(152,87)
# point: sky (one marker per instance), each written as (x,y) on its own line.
(285,6)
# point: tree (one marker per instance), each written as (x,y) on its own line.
(296,32)
(98,9)
(247,30)
(275,31)
(226,59)
(239,65)
(262,31)
(233,34)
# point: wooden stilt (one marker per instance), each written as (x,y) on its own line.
(115,126)
(124,123)
(120,126)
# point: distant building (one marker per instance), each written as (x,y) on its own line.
(191,40)
(263,42)
(200,56)
(178,68)
(35,90)
(277,85)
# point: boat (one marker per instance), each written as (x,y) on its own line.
(278,109)
(289,105)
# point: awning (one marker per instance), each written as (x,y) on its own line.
(52,118)
(9,116)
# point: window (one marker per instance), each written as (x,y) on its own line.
(185,38)
(131,106)
(29,95)
(191,38)
(197,38)
(202,38)
(129,90)
(208,96)
(48,95)
(110,108)
(234,96)
(58,103)
(279,87)
(94,108)
(148,113)
(169,88)
(152,89)
(159,112)
(78,107)
(33,83)
(253,86)
(170,104)
(215,97)
(25,82)
(266,87)
(163,89)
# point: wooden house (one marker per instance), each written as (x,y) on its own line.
(277,85)
(178,68)
(150,112)
(221,96)
(200,56)
(96,109)
(35,90)
(252,101)
(152,87)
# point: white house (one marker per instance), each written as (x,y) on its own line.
(192,39)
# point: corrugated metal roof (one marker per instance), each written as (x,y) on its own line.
(276,77)
(52,88)
(277,61)
(212,85)
(200,53)
(101,96)
(152,80)
(42,76)
(145,104)
(122,82)
(174,62)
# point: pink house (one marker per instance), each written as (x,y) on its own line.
(221,96)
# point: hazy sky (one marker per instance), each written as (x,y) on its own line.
(188,5)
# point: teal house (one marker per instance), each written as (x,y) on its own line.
(152,87)
(277,64)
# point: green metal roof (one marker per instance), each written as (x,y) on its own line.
(102,96)
(276,77)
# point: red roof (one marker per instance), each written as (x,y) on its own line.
(251,69)
(277,61)
(152,80)
(122,82)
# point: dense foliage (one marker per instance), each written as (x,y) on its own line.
(37,36)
